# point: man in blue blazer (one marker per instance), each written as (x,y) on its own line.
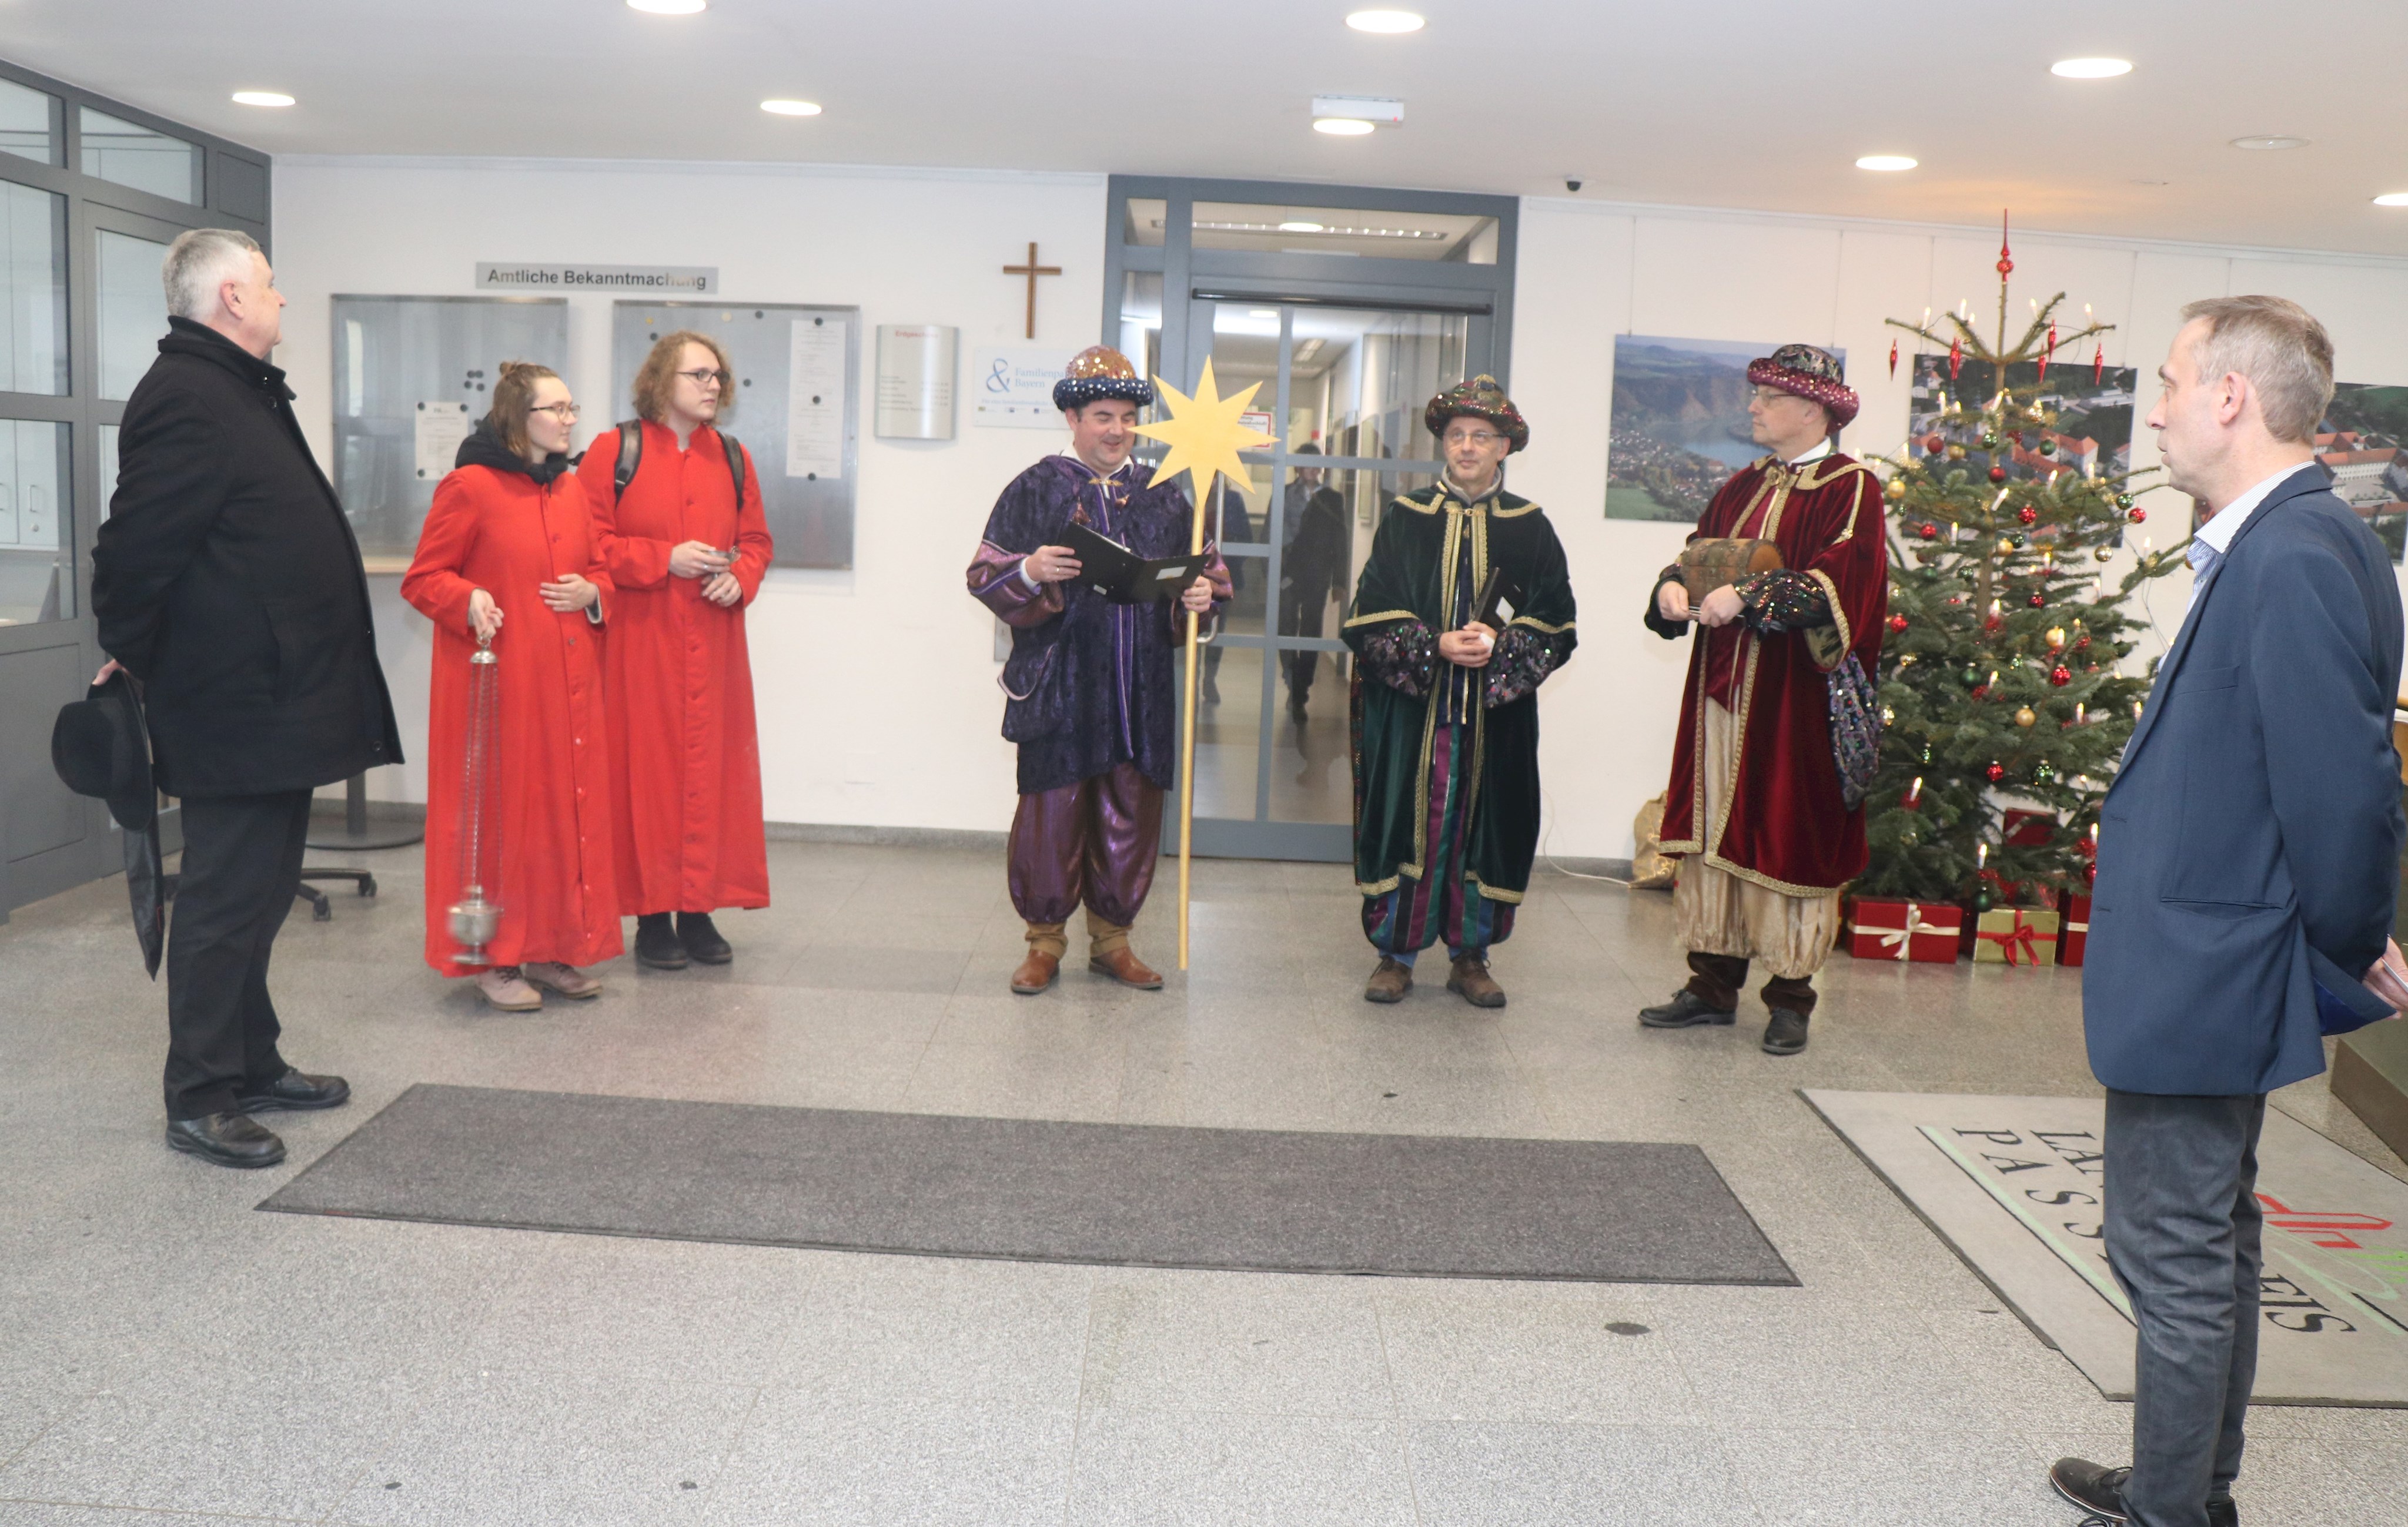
(2248,859)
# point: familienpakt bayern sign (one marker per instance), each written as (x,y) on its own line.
(536,275)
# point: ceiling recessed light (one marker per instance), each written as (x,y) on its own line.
(261,97)
(1300,226)
(791,109)
(1386,22)
(1885,162)
(2392,198)
(1342,127)
(667,8)
(2090,68)
(2270,142)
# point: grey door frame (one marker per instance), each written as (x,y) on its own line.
(1194,282)
(236,183)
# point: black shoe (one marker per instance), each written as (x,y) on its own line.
(2099,1491)
(1296,709)
(294,1089)
(1686,1010)
(1211,691)
(229,1139)
(702,940)
(657,944)
(1786,1033)
(2094,1489)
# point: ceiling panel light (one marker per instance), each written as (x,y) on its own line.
(2392,198)
(1341,127)
(2090,68)
(261,97)
(1385,23)
(667,8)
(1885,161)
(791,109)
(2270,142)
(1300,226)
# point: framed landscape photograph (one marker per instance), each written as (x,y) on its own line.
(2360,447)
(1680,427)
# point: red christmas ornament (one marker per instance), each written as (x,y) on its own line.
(1992,623)
(2083,643)
(2090,872)
(2046,353)
(2038,600)
(2006,261)
(1897,622)
(2028,515)
(1928,531)
(1996,771)
(1978,692)
(2098,363)
(2060,676)
(1934,443)
(1893,356)
(1956,356)
(2137,514)
(1998,474)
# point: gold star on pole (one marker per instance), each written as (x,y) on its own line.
(1205,433)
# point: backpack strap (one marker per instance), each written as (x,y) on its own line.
(735,466)
(631,455)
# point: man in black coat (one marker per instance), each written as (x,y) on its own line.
(228,583)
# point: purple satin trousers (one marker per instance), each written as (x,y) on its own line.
(1094,841)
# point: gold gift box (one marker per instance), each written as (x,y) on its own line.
(2015,936)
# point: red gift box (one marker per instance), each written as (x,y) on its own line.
(2073,932)
(2026,829)
(1924,932)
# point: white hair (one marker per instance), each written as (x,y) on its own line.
(198,263)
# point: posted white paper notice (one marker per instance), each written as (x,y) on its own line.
(815,398)
(441,426)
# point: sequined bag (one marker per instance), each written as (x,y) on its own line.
(1856,730)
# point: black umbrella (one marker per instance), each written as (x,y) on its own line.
(100,748)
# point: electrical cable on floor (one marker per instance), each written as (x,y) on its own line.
(1547,831)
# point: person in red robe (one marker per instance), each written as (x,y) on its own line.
(1777,740)
(508,560)
(685,556)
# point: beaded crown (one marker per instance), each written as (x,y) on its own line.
(1099,372)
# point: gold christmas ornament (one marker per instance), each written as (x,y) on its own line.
(2056,637)
(2025,716)
(1895,489)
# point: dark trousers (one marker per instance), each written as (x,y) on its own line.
(2183,1229)
(242,868)
(1719,978)
(1301,616)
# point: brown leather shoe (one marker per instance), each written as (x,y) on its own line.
(1036,973)
(1123,967)
(1389,983)
(1469,980)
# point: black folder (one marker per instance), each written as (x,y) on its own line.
(1495,594)
(1123,576)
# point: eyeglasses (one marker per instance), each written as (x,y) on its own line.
(565,412)
(705,377)
(1470,437)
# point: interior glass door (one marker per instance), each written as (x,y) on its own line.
(1342,391)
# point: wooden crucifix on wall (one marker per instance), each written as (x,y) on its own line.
(1032,270)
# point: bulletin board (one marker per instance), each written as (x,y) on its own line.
(794,406)
(412,375)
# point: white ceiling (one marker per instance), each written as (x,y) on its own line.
(1760,104)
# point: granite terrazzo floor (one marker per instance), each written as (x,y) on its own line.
(169,1357)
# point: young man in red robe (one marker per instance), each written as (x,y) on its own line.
(686,557)
(1766,804)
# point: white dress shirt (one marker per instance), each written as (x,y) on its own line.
(2215,538)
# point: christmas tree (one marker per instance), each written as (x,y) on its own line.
(2000,684)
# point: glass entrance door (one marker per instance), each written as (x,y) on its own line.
(1341,391)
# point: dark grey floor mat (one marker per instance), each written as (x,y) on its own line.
(1044,1190)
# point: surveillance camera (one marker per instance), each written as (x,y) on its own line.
(1570,184)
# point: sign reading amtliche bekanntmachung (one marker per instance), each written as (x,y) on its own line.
(536,275)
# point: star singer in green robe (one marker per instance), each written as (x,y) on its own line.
(1445,706)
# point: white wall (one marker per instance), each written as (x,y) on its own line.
(1589,272)
(875,687)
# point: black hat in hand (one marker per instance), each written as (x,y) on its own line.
(100,748)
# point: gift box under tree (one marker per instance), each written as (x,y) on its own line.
(2075,933)
(2015,936)
(1923,932)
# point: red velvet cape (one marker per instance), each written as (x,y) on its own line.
(1784,826)
(547,854)
(685,757)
